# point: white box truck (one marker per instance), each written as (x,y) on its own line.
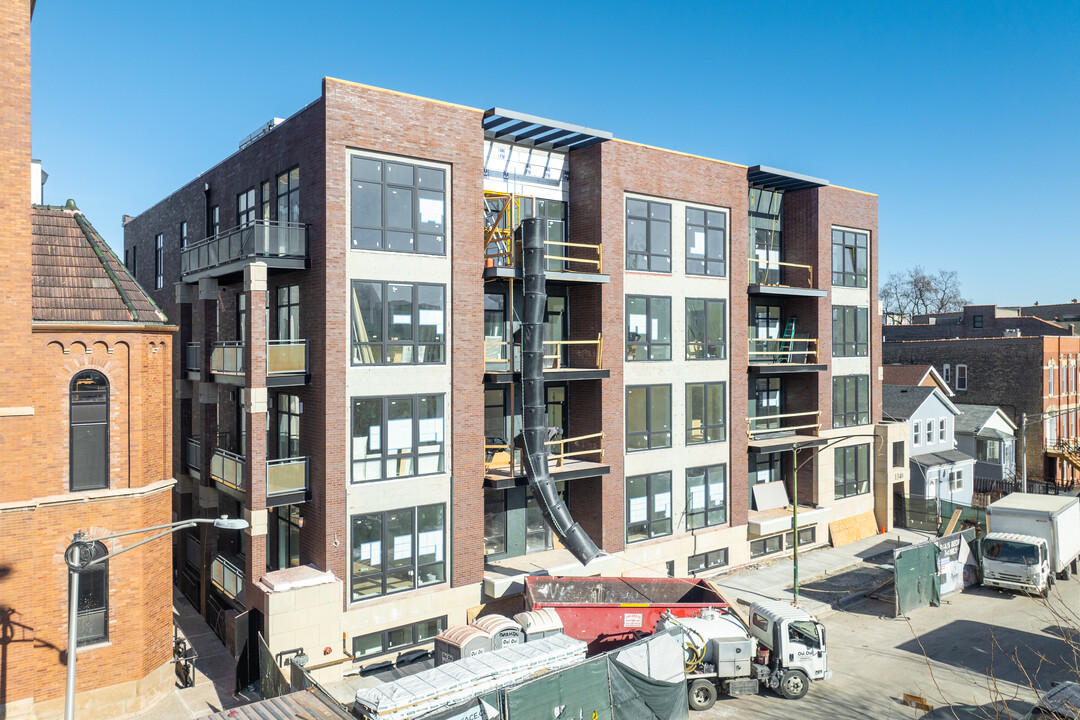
(1030,538)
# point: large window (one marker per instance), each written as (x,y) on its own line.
(398,207)
(648,235)
(397,436)
(850,257)
(851,400)
(648,328)
(288,196)
(89,436)
(648,506)
(397,639)
(92,623)
(288,426)
(245,207)
(706,322)
(706,496)
(397,323)
(648,417)
(706,241)
(159,261)
(987,450)
(288,312)
(851,470)
(851,331)
(707,561)
(397,550)
(706,413)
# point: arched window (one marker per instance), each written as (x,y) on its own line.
(93,604)
(89,447)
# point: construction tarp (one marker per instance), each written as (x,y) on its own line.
(578,691)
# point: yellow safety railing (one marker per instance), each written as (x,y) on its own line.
(597,263)
(502,216)
(752,431)
(496,351)
(773,351)
(504,456)
(557,357)
(769,266)
(562,454)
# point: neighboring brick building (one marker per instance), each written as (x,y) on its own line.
(364,422)
(85,432)
(1034,375)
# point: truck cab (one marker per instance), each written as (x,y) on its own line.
(795,639)
(1016,562)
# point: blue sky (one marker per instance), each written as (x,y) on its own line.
(962,116)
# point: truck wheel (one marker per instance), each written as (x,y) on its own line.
(1063,575)
(1046,591)
(794,684)
(702,694)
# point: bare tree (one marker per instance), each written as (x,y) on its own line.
(917,292)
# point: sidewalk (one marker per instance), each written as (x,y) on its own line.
(774,580)
(215,672)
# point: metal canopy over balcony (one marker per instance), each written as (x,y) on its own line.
(538,132)
(278,244)
(765,176)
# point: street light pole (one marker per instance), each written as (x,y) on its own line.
(1023,452)
(80,555)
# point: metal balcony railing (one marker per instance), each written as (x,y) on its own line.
(286,357)
(780,351)
(286,475)
(765,424)
(193,455)
(227,577)
(258,239)
(193,357)
(228,468)
(227,358)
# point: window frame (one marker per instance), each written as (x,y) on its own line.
(962,371)
(384,635)
(290,194)
(649,220)
(851,458)
(859,396)
(898,455)
(77,462)
(763,546)
(385,547)
(653,525)
(650,346)
(102,569)
(941,430)
(982,450)
(848,321)
(707,344)
(956,480)
(946,373)
(356,347)
(386,186)
(710,560)
(916,433)
(705,227)
(159,261)
(707,428)
(648,433)
(246,207)
(842,251)
(383,455)
(708,515)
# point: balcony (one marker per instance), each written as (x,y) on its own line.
(775,433)
(503,464)
(287,481)
(774,277)
(193,456)
(286,362)
(279,245)
(227,358)
(569,360)
(193,360)
(228,577)
(228,470)
(784,355)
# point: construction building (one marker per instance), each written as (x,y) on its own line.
(353,370)
(85,435)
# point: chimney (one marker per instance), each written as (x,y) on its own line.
(37,182)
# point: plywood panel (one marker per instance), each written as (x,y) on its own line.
(848,530)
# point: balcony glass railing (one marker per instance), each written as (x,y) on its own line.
(786,422)
(193,455)
(781,351)
(287,475)
(227,358)
(193,357)
(286,357)
(227,577)
(263,239)
(228,468)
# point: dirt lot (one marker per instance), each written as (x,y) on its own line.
(982,654)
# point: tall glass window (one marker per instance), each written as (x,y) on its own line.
(706,413)
(397,550)
(648,417)
(851,470)
(851,251)
(397,436)
(706,496)
(648,235)
(288,196)
(89,431)
(706,324)
(648,328)
(648,506)
(397,323)
(398,206)
(706,242)
(851,330)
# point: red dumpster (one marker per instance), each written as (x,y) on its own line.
(609,612)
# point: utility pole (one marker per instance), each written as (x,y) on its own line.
(1023,452)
